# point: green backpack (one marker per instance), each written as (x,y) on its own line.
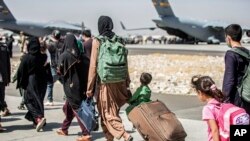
(112,63)
(244,86)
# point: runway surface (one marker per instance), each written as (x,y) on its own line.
(201,49)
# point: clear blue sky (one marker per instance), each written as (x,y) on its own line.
(134,13)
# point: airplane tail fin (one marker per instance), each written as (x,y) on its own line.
(83,26)
(163,8)
(122,25)
(5,13)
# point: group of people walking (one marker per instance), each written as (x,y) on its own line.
(75,68)
(78,69)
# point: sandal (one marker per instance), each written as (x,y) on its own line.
(6,112)
(84,138)
(61,132)
(2,129)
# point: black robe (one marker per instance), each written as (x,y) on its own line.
(73,69)
(5,64)
(5,73)
(32,77)
(9,42)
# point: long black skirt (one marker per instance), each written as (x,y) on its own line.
(33,98)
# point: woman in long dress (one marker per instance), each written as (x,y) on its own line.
(32,77)
(73,71)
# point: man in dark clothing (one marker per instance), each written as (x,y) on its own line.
(9,42)
(71,67)
(235,67)
(4,79)
(87,44)
(55,46)
(32,77)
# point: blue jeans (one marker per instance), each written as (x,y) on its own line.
(21,91)
(50,85)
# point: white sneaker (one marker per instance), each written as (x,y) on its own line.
(49,103)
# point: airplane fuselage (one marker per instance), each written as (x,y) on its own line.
(30,28)
(187,28)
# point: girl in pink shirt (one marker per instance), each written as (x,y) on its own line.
(209,93)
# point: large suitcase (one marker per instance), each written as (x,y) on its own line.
(155,122)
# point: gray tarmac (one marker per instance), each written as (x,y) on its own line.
(200,49)
(186,107)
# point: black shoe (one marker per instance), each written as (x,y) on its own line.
(21,107)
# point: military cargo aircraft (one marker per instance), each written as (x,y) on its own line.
(9,22)
(188,29)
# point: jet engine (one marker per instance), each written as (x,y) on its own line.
(248,33)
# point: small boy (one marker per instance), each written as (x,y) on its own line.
(142,93)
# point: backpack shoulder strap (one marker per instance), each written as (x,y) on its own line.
(99,38)
(242,53)
(118,39)
(102,39)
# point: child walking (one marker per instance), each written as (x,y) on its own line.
(209,93)
(142,93)
(214,111)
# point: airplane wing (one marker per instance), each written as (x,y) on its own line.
(63,26)
(159,23)
(131,29)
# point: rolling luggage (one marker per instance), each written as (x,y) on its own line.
(155,122)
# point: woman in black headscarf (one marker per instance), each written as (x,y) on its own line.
(31,76)
(4,79)
(71,68)
(110,96)
(105,26)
